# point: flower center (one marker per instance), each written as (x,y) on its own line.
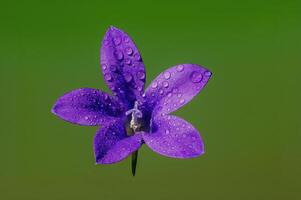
(135,114)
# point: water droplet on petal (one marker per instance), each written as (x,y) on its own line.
(161,91)
(129,51)
(154,85)
(165,84)
(137,56)
(141,75)
(196,76)
(108,77)
(127,77)
(167,131)
(180,68)
(106,43)
(104,66)
(207,73)
(117,40)
(86,117)
(167,75)
(139,88)
(119,55)
(128,61)
(126,39)
(169,94)
(113,68)
(182,101)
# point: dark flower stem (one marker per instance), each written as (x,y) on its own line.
(134,162)
(134,155)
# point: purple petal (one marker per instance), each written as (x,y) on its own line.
(86,106)
(122,66)
(174,137)
(111,144)
(175,87)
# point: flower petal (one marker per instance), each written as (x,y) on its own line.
(111,144)
(175,87)
(122,66)
(86,106)
(174,137)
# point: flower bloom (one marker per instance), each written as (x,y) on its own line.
(133,116)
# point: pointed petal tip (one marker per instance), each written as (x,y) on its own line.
(112,28)
(53,109)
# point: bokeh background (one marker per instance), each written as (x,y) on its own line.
(248,114)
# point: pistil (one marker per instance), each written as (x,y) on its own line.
(136,113)
(134,125)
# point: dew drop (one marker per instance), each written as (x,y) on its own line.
(167,131)
(155,85)
(180,68)
(167,75)
(119,55)
(169,94)
(129,51)
(139,88)
(108,77)
(196,76)
(128,61)
(106,43)
(86,117)
(175,90)
(161,91)
(113,68)
(207,73)
(137,57)
(126,39)
(104,67)
(117,40)
(141,75)
(165,84)
(182,101)
(106,96)
(127,77)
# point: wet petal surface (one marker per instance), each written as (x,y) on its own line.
(174,137)
(122,65)
(86,106)
(111,144)
(175,87)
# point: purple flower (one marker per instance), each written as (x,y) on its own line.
(131,116)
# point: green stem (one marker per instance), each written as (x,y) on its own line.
(134,162)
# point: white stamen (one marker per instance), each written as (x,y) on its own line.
(136,113)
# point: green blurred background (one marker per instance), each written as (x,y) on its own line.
(248,114)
